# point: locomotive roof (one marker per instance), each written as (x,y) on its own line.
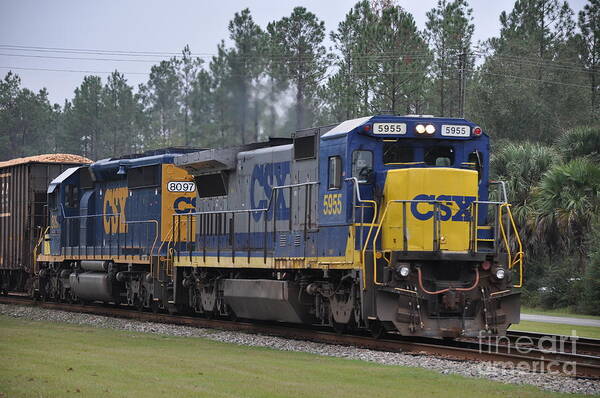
(352,125)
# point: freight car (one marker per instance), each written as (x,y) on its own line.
(24,212)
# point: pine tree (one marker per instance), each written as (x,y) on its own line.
(160,97)
(188,69)
(528,85)
(450,31)
(86,114)
(246,62)
(589,49)
(299,47)
(403,60)
(120,117)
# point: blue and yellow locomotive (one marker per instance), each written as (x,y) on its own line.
(384,223)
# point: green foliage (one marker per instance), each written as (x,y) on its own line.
(298,43)
(589,50)
(27,120)
(450,31)
(567,199)
(511,96)
(521,166)
(246,66)
(581,141)
(591,287)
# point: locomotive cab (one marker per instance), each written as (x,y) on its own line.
(438,255)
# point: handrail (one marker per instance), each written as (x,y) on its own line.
(265,210)
(119,216)
(155,231)
(363,250)
(503,185)
(513,261)
(518,260)
(36,247)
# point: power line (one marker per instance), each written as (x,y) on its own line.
(80,58)
(70,70)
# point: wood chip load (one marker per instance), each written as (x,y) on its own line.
(47,158)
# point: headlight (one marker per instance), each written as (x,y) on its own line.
(430,129)
(404,271)
(419,128)
(500,273)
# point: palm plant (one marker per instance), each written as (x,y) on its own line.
(566,202)
(521,166)
(583,141)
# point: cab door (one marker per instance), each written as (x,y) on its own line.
(333,200)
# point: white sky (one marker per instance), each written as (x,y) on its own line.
(163,26)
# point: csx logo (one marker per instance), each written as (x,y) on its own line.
(451,206)
(184,205)
(114,218)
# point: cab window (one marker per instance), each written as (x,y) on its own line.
(362,165)
(335,172)
(441,156)
(396,152)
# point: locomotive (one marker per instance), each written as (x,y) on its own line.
(382,223)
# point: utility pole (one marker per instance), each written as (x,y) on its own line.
(462,82)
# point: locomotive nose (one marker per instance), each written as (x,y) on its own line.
(428,209)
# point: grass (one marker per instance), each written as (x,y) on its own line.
(558,328)
(566,312)
(58,360)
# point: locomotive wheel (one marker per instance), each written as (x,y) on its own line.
(154,306)
(377,330)
(139,304)
(340,328)
(232,315)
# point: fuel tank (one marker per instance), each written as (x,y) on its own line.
(93,286)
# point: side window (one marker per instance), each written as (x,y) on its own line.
(441,156)
(396,152)
(362,165)
(72,196)
(52,202)
(335,173)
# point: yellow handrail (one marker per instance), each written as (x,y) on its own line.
(36,247)
(518,259)
(363,249)
(387,206)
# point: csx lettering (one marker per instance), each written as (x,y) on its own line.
(264,177)
(453,207)
(114,210)
(184,205)
(332,204)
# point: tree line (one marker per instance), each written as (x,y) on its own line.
(539,77)
(534,88)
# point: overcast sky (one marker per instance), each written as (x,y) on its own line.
(157,26)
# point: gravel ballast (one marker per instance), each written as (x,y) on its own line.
(549,382)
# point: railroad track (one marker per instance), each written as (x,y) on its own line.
(513,353)
(580,345)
